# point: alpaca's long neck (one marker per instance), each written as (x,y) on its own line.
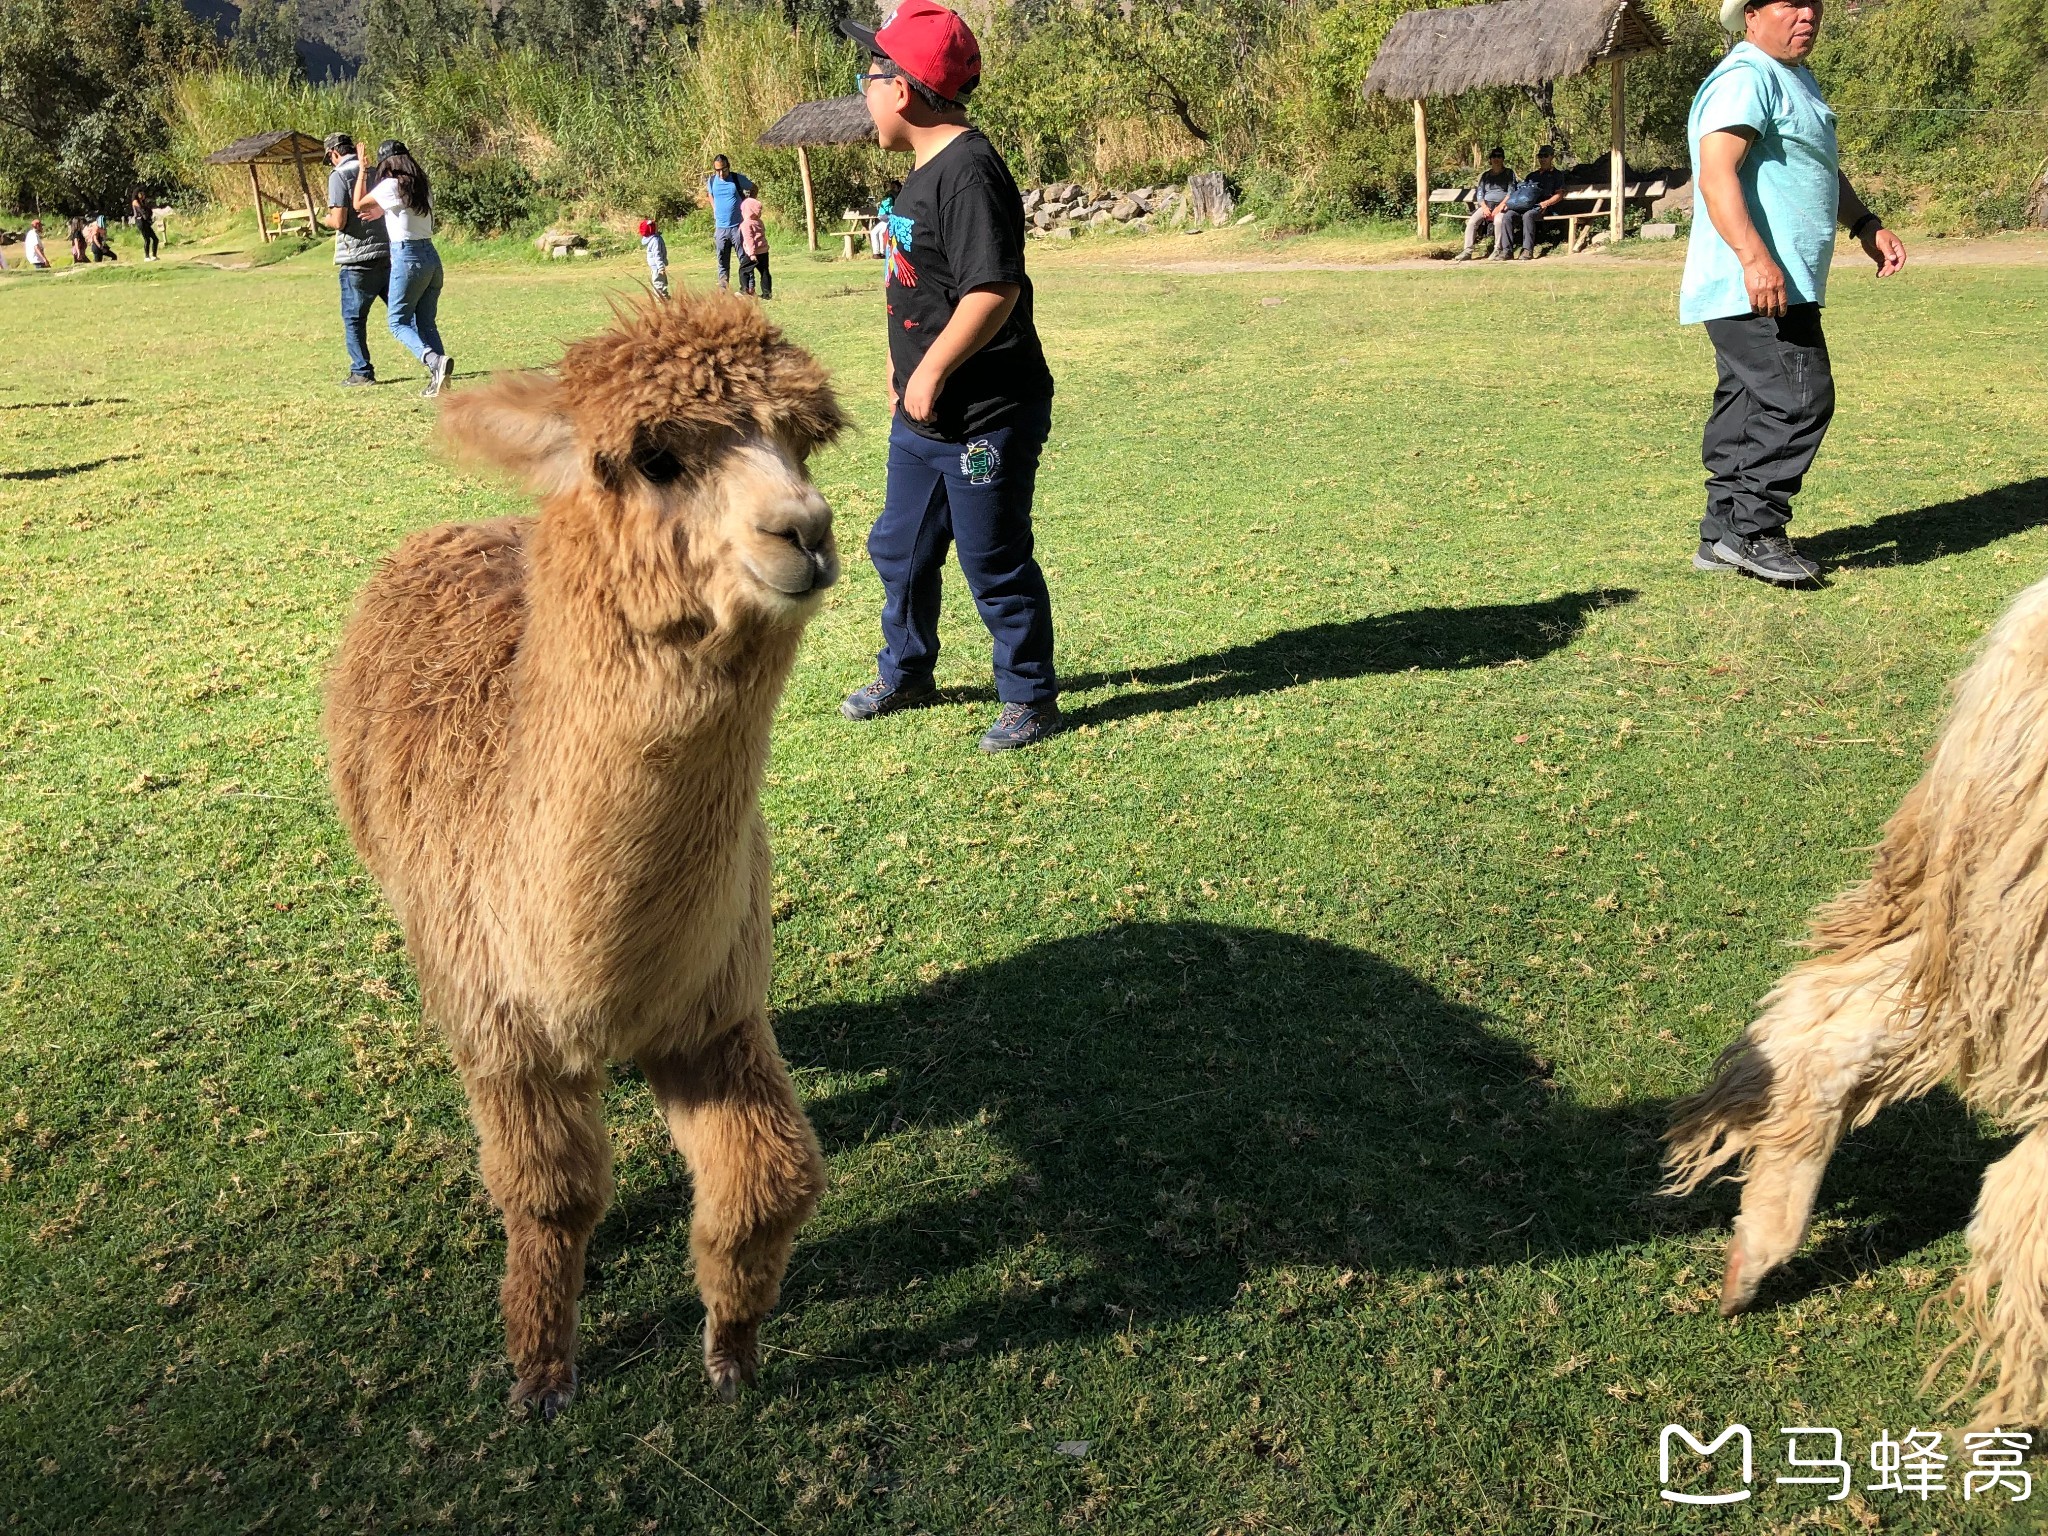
(634,768)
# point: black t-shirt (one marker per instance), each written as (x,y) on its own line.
(958,224)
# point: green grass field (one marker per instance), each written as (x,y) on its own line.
(1260,1083)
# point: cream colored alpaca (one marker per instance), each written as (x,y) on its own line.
(1934,970)
(548,738)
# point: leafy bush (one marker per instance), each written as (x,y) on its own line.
(486,197)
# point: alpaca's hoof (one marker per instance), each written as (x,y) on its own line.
(732,1357)
(546,1387)
(1739,1282)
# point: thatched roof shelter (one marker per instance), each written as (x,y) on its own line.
(842,120)
(1445,52)
(1512,42)
(288,147)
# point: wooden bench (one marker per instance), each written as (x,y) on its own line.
(1583,208)
(292,218)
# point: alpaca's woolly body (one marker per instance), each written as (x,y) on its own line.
(548,739)
(1933,970)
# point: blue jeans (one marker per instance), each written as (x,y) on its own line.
(415,297)
(977,496)
(726,241)
(360,288)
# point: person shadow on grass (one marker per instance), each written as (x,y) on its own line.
(1184,1105)
(1424,639)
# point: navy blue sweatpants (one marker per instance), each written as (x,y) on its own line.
(975,496)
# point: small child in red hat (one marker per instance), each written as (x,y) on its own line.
(969,390)
(657,256)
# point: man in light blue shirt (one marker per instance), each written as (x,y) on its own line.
(1770,191)
(726,188)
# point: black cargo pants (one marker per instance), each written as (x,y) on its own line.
(1772,406)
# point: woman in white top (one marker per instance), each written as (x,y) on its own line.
(398,190)
(32,247)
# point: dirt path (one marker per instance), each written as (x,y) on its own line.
(1995,251)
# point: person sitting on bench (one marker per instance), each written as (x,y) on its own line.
(1533,197)
(1489,203)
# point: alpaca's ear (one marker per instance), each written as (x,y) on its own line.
(516,423)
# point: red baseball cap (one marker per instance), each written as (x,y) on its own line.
(927,42)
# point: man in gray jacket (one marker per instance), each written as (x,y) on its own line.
(362,256)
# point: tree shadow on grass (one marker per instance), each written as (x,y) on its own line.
(1928,533)
(1425,639)
(1185,1105)
(64,471)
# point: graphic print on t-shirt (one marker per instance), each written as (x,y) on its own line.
(895,242)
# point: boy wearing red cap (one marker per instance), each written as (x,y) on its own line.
(969,391)
(656,251)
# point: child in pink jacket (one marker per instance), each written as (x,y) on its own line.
(754,249)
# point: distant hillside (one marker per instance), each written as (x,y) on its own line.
(330,32)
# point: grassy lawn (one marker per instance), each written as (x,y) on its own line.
(1259,1083)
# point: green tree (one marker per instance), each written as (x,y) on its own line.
(266,40)
(82,91)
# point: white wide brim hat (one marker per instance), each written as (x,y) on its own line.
(1731,17)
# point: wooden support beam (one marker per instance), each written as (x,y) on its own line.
(299,165)
(256,191)
(803,165)
(1618,131)
(1421,171)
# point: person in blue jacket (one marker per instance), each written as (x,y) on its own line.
(726,188)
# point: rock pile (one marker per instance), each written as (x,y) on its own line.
(557,244)
(1056,211)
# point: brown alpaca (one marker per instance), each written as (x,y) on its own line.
(1933,970)
(548,738)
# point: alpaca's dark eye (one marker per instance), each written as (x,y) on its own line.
(658,465)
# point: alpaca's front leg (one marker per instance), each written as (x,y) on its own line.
(757,1175)
(2008,1239)
(1816,1058)
(548,1165)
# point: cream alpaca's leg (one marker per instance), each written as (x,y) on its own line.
(548,1165)
(1813,1061)
(757,1175)
(2008,1238)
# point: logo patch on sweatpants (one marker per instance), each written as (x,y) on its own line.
(980,462)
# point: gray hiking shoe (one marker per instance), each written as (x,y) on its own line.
(878,698)
(1705,558)
(1768,557)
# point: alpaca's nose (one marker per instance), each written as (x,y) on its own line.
(805,520)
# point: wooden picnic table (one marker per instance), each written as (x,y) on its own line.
(863,224)
(1583,206)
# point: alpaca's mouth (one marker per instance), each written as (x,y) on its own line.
(788,567)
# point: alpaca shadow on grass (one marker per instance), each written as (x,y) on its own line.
(1928,533)
(1182,1106)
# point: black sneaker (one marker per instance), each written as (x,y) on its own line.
(1707,558)
(1020,725)
(1770,557)
(355,380)
(878,698)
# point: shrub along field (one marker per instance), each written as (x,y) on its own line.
(1241,1111)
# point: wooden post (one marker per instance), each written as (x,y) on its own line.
(1421,172)
(1618,132)
(256,190)
(803,165)
(299,165)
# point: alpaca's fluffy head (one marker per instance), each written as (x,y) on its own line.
(676,440)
